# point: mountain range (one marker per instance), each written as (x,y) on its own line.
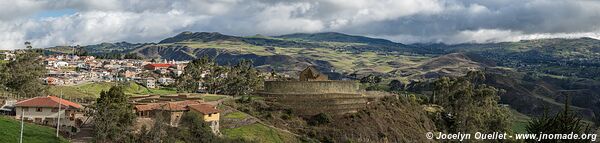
(536,74)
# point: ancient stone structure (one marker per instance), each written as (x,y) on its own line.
(314,94)
(311,74)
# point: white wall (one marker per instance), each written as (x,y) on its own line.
(45,113)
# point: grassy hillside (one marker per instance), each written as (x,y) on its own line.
(32,133)
(520,121)
(342,60)
(396,119)
(94,89)
(259,133)
(237,124)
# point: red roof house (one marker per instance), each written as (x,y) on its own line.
(48,101)
(157,66)
(204,108)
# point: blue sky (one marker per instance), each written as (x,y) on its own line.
(54,13)
(49,23)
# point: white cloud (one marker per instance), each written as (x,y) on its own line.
(447,21)
(94,27)
(487,36)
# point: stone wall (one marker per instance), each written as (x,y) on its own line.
(309,98)
(311,87)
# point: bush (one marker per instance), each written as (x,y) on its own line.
(285,117)
(376,87)
(320,119)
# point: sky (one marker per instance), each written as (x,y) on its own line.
(48,23)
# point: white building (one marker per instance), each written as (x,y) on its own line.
(45,111)
(61,64)
(166,81)
(150,83)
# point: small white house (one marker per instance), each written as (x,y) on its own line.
(61,64)
(166,81)
(150,83)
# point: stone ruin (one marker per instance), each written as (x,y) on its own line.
(313,93)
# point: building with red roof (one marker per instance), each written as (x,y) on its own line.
(157,66)
(174,110)
(47,109)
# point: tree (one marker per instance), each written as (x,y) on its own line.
(160,130)
(320,119)
(142,135)
(204,73)
(114,117)
(470,106)
(372,79)
(194,129)
(564,122)
(214,80)
(28,45)
(196,72)
(242,79)
(132,56)
(23,75)
(396,85)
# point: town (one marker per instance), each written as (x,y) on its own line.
(73,119)
(69,117)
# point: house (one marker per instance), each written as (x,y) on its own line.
(174,111)
(209,113)
(312,74)
(7,56)
(45,110)
(171,110)
(166,81)
(127,74)
(149,82)
(60,64)
(157,66)
(53,81)
(7,107)
(88,58)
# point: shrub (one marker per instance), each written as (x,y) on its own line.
(320,119)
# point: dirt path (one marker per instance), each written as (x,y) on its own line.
(84,136)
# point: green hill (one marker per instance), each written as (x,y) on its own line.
(260,133)
(94,89)
(32,133)
(338,37)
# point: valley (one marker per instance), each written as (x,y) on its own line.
(534,75)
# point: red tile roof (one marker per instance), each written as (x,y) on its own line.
(170,106)
(147,107)
(178,106)
(158,65)
(204,108)
(173,107)
(188,102)
(47,101)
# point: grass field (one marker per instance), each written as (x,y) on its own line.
(259,133)
(236,115)
(212,97)
(230,46)
(32,133)
(344,61)
(520,121)
(94,89)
